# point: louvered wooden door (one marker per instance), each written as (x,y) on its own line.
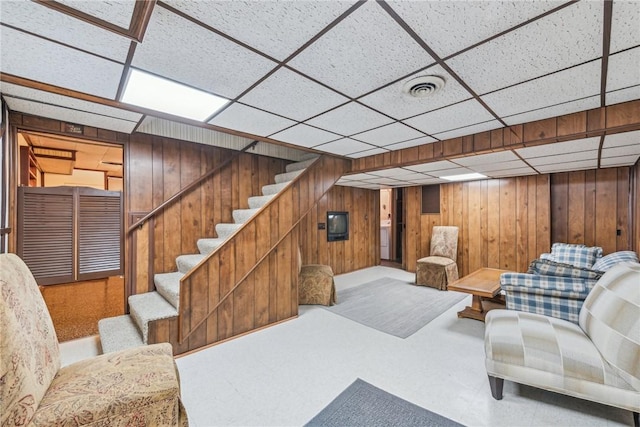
(66,234)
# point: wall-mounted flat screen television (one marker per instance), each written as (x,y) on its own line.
(337,226)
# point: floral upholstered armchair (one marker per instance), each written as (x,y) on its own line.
(138,386)
(557,283)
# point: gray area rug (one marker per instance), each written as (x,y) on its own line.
(393,306)
(362,404)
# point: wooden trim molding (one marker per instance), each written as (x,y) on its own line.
(601,121)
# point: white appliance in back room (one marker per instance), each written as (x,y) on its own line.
(385,224)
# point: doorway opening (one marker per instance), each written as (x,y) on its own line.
(391,227)
(71,189)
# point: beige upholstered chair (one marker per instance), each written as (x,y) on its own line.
(315,284)
(138,386)
(440,267)
(596,359)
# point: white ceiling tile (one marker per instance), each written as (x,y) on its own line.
(251,120)
(449,172)
(621,139)
(178,49)
(428,181)
(53,99)
(411,143)
(254,22)
(501,166)
(289,94)
(117,12)
(305,136)
(572,36)
(357,177)
(449,118)
(563,158)
(430,167)
(569,166)
(445,25)
(553,111)
(71,115)
(511,172)
(343,146)
(392,101)
(618,161)
(389,134)
(468,130)
(568,85)
(368,42)
(575,146)
(627,150)
(624,69)
(486,159)
(60,27)
(384,181)
(625,25)
(41,60)
(350,119)
(623,95)
(366,153)
(397,173)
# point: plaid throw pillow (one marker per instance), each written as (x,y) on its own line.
(608,261)
(577,255)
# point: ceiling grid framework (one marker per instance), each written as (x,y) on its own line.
(328,75)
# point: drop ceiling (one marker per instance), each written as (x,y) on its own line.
(328,75)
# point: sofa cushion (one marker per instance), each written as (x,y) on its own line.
(610,316)
(577,255)
(29,349)
(608,261)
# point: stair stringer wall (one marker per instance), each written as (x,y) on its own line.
(158,168)
(257,267)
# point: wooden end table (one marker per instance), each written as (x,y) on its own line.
(482,284)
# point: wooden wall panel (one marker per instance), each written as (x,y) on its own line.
(158,168)
(501,222)
(363,247)
(592,207)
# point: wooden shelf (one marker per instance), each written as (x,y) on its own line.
(29,169)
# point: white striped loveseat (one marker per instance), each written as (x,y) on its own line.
(597,359)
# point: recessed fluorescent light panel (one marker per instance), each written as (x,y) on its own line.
(149,91)
(464,177)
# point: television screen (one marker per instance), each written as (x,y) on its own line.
(337,226)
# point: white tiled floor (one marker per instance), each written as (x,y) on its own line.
(284,375)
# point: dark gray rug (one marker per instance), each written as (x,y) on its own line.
(393,306)
(362,404)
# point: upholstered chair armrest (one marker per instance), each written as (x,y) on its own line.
(552,268)
(554,296)
(138,386)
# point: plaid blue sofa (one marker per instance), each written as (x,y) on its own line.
(557,283)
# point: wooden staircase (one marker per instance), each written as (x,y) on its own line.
(242,280)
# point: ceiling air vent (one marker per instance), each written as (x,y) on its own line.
(424,86)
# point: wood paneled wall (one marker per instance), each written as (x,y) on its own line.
(591,207)
(506,223)
(503,223)
(157,168)
(363,247)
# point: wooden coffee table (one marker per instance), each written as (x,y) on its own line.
(484,285)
